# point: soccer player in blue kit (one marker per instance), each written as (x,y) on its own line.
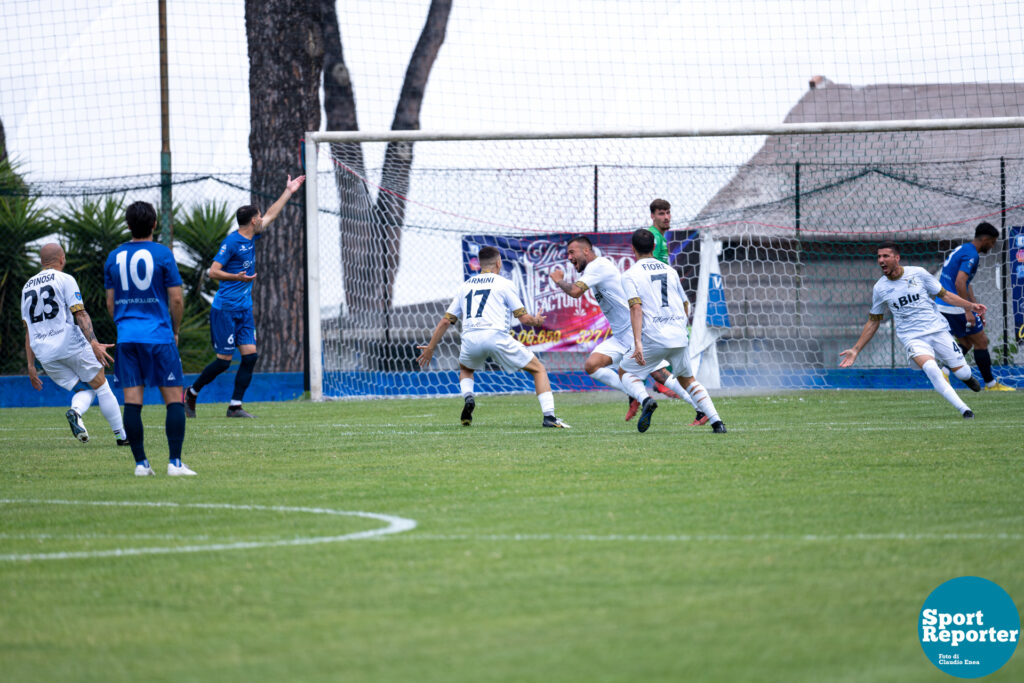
(231,322)
(958,271)
(144,298)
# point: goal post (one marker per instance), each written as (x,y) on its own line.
(773,235)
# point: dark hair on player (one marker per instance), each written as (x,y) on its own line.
(660,205)
(488,255)
(986,230)
(643,241)
(245,214)
(140,217)
(889,244)
(582,239)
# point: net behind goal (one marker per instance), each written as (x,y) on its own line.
(773,234)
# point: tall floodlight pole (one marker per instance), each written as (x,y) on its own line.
(167,228)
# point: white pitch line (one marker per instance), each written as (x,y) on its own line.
(701,538)
(394,525)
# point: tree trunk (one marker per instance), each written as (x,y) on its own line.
(285,62)
(371,233)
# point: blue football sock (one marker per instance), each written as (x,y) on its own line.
(244,376)
(133,428)
(174,425)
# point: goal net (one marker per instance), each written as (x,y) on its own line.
(773,234)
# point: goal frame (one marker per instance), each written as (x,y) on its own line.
(314,138)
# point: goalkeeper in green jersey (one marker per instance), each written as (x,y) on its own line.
(661,219)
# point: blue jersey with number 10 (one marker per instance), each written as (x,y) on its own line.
(140,273)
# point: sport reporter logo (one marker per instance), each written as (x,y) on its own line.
(969,627)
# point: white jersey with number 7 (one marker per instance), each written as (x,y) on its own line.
(656,286)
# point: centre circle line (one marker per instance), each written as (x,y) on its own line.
(395,525)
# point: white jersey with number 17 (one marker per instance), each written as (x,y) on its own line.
(486,302)
(656,286)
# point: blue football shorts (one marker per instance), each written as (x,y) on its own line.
(958,325)
(151,365)
(229,329)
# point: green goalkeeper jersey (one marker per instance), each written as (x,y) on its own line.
(660,245)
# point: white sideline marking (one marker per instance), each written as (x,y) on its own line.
(699,538)
(395,525)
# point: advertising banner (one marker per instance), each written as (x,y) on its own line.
(573,325)
(1016,266)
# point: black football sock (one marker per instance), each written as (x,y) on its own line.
(984,362)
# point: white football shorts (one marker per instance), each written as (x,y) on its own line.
(80,367)
(501,347)
(938,345)
(678,357)
(616,349)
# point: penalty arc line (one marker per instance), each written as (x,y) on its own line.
(394,525)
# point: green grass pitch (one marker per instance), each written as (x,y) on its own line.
(800,546)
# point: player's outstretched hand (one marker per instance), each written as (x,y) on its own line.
(848,356)
(294,185)
(638,355)
(424,358)
(245,277)
(100,351)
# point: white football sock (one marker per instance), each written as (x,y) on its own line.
(547,403)
(81,401)
(675,386)
(931,369)
(466,387)
(608,376)
(700,396)
(110,410)
(634,386)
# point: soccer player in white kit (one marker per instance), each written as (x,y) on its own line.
(59,333)
(658,320)
(487,303)
(908,292)
(600,276)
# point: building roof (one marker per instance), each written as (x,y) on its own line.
(935,184)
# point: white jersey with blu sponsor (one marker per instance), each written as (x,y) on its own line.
(604,280)
(486,302)
(48,303)
(910,299)
(656,286)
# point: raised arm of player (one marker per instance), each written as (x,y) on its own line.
(84,323)
(574,290)
(954,300)
(435,339)
(290,188)
(217,272)
(870,327)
